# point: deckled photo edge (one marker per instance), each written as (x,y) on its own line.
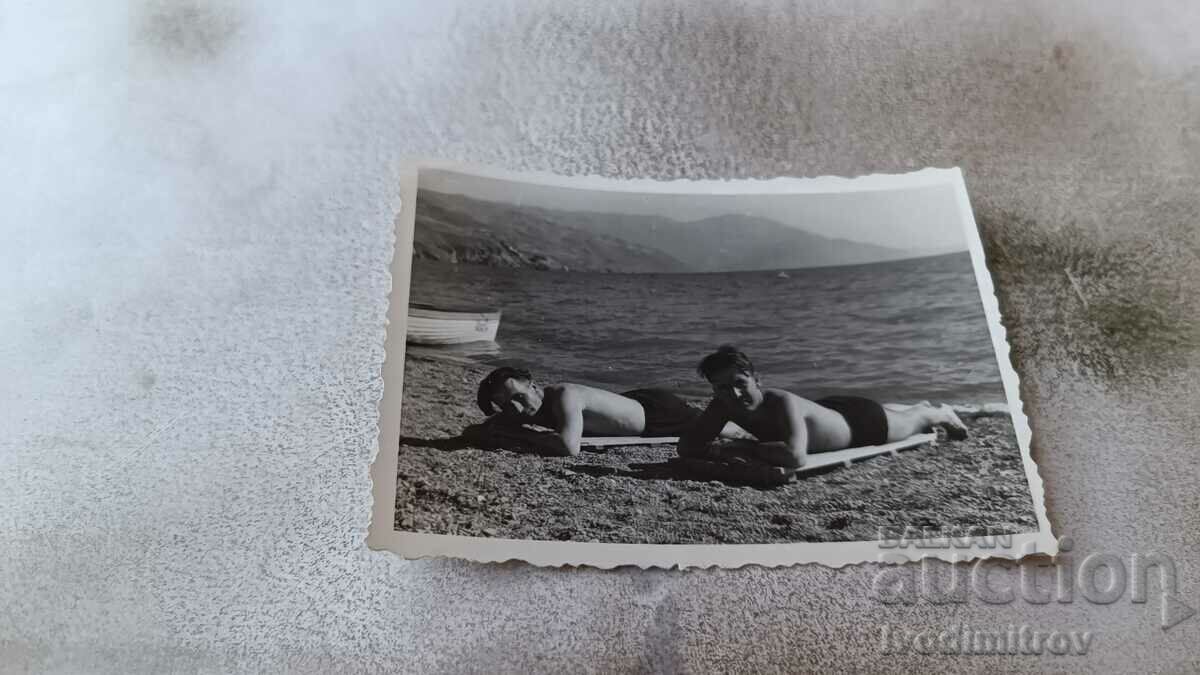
(1048,543)
(384,464)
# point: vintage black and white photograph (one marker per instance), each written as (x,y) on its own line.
(707,364)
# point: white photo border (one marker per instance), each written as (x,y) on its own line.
(383,536)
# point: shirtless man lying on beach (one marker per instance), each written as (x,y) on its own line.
(512,400)
(789,427)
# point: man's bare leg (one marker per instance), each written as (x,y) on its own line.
(905,421)
(900,407)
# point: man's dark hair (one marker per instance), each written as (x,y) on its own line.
(494,379)
(726,356)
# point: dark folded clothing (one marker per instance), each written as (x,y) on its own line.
(867,419)
(667,414)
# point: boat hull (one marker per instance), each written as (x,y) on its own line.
(435,326)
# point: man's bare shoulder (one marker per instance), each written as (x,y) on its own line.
(581,393)
(575,388)
(785,399)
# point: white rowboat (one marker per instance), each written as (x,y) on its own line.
(430,325)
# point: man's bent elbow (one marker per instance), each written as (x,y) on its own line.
(568,448)
(795,459)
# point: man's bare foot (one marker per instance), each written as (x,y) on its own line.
(955,429)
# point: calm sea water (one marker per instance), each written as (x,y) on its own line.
(896,331)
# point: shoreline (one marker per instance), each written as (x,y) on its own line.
(630,495)
(469,359)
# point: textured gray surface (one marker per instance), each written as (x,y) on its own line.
(196,220)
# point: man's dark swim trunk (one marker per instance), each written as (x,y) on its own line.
(867,420)
(667,414)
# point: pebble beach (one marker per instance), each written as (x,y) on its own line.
(634,494)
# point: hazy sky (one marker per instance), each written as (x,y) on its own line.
(912,219)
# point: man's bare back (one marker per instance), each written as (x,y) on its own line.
(573,411)
(602,413)
(825,429)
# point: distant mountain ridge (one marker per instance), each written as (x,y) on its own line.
(455,228)
(733,243)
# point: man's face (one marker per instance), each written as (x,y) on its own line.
(737,388)
(517,398)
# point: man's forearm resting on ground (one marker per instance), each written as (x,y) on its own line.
(552,442)
(779,453)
